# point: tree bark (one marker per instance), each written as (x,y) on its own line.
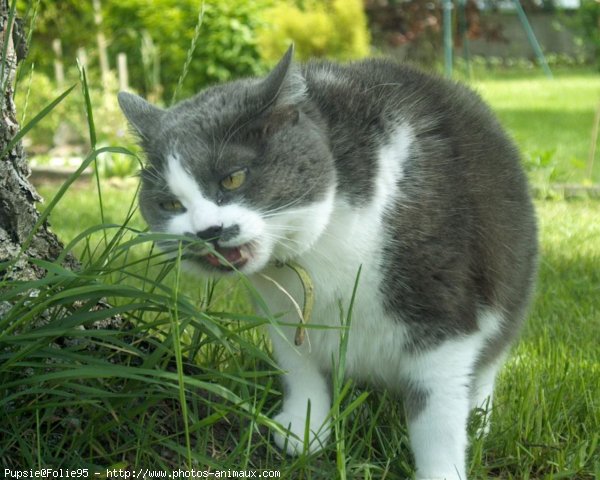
(18,197)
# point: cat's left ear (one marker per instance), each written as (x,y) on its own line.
(141,114)
(285,85)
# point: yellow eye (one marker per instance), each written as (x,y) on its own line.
(172,206)
(234,180)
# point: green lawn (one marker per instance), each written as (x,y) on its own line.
(192,383)
(549,116)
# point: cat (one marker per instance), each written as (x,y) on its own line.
(370,166)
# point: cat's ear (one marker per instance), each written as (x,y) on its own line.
(285,85)
(142,115)
(280,93)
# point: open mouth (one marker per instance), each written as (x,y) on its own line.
(224,258)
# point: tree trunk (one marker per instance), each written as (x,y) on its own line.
(18,213)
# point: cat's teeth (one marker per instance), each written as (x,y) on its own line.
(236,256)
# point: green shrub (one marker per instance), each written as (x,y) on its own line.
(318,28)
(226,45)
(588,25)
(225,48)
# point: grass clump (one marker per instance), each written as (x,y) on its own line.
(83,392)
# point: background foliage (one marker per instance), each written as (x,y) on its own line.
(214,41)
(587,23)
(165,28)
(218,40)
(236,37)
(227,46)
(338,28)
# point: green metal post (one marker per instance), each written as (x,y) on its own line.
(448,37)
(532,40)
(462,28)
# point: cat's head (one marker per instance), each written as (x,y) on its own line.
(245,165)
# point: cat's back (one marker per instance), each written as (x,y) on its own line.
(454,131)
(384,86)
(459,225)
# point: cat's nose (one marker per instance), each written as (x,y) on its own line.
(218,232)
(211,233)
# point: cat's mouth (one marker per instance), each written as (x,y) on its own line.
(225,259)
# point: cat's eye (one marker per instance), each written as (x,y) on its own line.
(172,206)
(235,179)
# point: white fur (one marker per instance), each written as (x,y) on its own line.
(325,75)
(438,434)
(296,229)
(391,169)
(482,393)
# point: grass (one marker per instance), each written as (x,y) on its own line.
(549,117)
(549,395)
(190,383)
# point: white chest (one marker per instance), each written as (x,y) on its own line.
(352,243)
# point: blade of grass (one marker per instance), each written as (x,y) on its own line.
(35,120)
(190,54)
(88,105)
(30,31)
(64,187)
(38,436)
(28,91)
(160,378)
(338,377)
(179,358)
(93,138)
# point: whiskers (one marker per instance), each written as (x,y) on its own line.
(152,174)
(283,237)
(287,207)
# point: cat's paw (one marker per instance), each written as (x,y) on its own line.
(293,443)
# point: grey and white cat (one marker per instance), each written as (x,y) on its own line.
(372,165)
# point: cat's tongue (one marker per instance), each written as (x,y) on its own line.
(232,255)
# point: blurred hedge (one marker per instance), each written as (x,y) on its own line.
(319,28)
(226,47)
(587,23)
(151,30)
(236,38)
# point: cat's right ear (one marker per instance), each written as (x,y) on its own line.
(142,115)
(284,85)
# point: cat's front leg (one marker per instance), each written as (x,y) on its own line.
(437,404)
(307,397)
